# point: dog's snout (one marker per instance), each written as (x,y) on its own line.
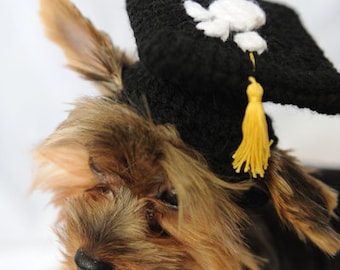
(85,262)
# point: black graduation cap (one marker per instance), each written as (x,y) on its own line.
(198,57)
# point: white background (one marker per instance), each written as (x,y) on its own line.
(35,89)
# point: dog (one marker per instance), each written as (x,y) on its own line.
(132,195)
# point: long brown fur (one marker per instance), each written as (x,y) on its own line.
(303,202)
(108,169)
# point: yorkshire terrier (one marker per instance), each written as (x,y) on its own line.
(132,195)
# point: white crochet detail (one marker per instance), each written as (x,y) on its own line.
(225,16)
(250,41)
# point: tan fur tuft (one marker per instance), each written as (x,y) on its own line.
(62,170)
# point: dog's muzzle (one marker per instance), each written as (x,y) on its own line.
(85,262)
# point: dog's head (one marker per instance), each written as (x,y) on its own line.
(132,195)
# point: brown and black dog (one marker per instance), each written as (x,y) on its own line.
(133,196)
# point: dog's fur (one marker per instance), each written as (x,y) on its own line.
(132,195)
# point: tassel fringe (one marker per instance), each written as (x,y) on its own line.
(254,150)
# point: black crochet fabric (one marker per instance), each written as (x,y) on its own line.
(294,70)
(198,83)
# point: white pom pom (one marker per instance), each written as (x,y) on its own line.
(251,41)
(215,28)
(225,16)
(196,11)
(242,15)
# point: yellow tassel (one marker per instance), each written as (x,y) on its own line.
(254,150)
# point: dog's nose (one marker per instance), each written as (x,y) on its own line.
(85,262)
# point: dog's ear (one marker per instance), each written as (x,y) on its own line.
(89,52)
(302,202)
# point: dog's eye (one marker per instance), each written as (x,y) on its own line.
(103,189)
(169,197)
(95,170)
(100,189)
(154,225)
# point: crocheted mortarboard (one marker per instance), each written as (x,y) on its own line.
(196,58)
